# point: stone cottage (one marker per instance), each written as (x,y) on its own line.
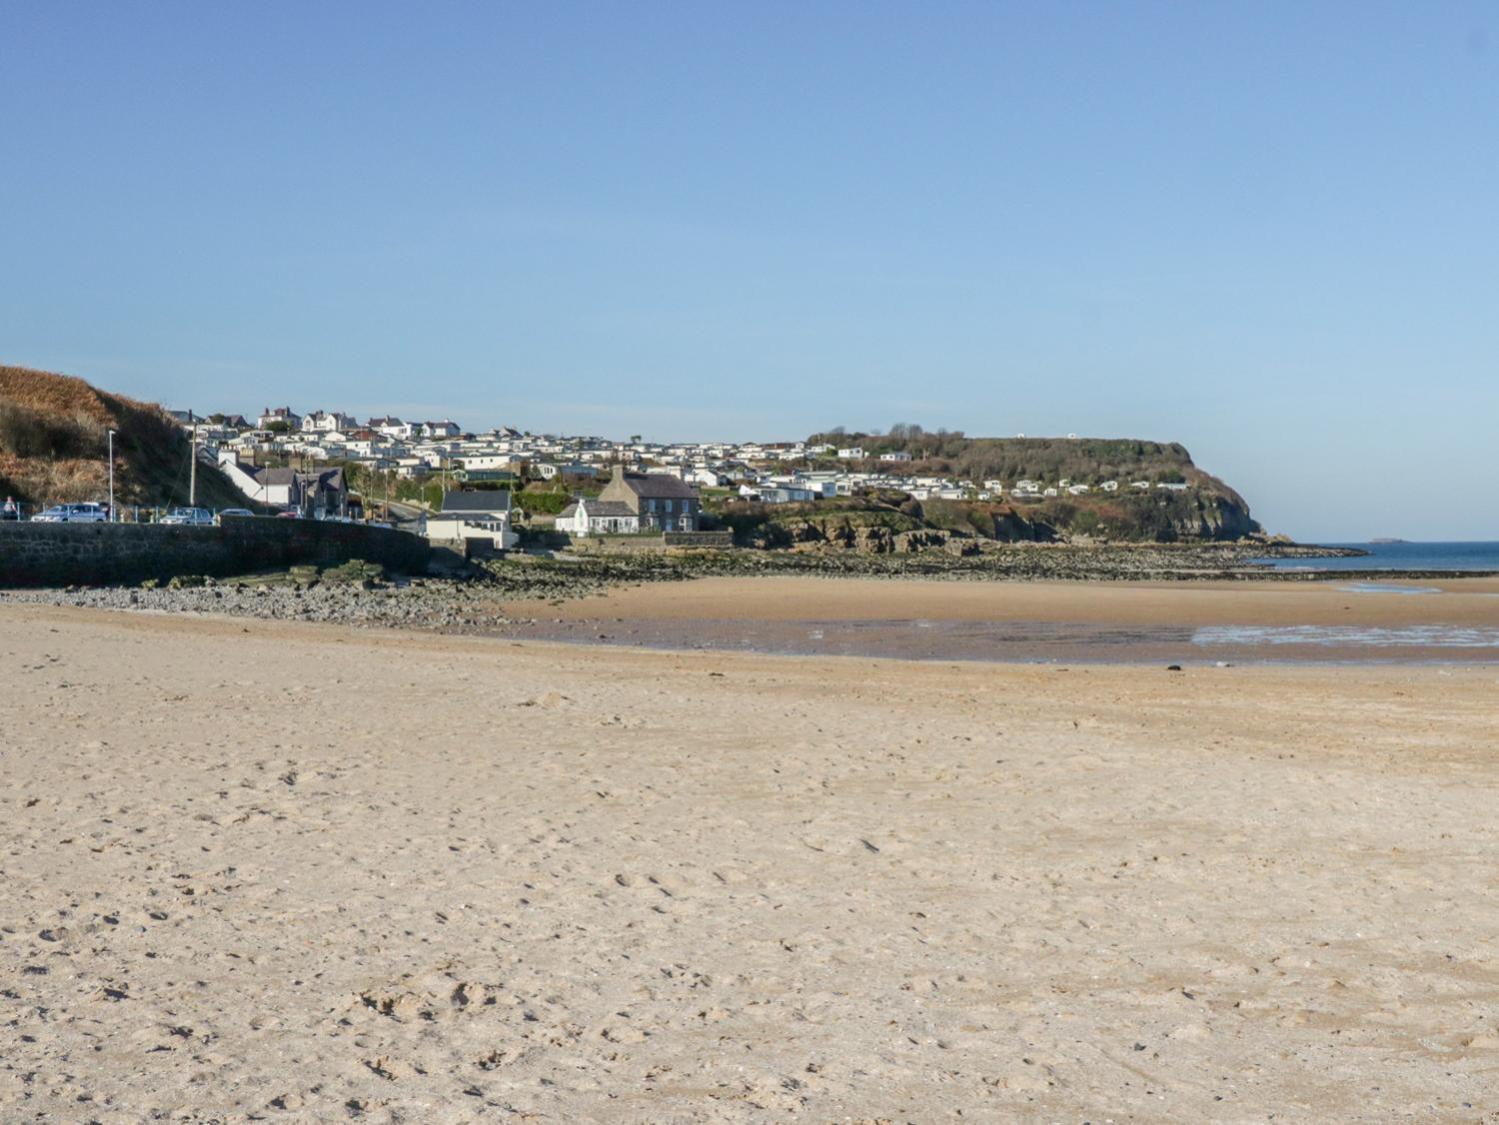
(663,503)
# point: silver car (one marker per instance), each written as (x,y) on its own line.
(73,513)
(188,517)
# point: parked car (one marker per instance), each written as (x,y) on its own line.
(289,514)
(73,513)
(235,514)
(188,517)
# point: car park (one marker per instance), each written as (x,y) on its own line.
(73,513)
(188,517)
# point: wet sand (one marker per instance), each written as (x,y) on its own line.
(265,871)
(1201,622)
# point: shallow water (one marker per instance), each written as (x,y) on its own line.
(1387,588)
(1036,641)
(1350,636)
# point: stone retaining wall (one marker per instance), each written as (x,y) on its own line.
(617,544)
(719,539)
(99,554)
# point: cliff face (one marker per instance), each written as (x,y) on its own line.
(1163,517)
(1209,516)
(881,526)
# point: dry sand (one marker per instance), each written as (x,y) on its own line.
(264,871)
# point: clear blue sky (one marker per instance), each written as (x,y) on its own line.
(1267,230)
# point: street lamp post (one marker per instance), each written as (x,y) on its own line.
(111,476)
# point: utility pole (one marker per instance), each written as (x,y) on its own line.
(192,478)
(111,476)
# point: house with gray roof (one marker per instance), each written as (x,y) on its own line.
(658,501)
(317,494)
(474,515)
(588,516)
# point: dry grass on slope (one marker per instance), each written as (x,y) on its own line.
(54,445)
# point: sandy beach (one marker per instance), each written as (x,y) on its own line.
(266,871)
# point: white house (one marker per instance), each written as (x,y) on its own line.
(490,461)
(320,422)
(824,485)
(705,478)
(391,427)
(852,453)
(473,515)
(317,494)
(898,455)
(243,479)
(586,517)
(786,494)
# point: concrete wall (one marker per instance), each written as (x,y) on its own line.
(97,554)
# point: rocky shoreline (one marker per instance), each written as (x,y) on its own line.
(362,595)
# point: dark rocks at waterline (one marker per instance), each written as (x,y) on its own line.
(428,605)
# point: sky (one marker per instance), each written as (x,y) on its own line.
(1266,230)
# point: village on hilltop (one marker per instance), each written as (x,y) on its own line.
(596,485)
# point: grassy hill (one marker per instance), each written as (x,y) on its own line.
(1081,460)
(54,446)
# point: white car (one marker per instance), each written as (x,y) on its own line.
(188,517)
(73,513)
(235,513)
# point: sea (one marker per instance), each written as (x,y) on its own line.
(1482,556)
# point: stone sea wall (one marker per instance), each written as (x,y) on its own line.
(95,554)
(647,544)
